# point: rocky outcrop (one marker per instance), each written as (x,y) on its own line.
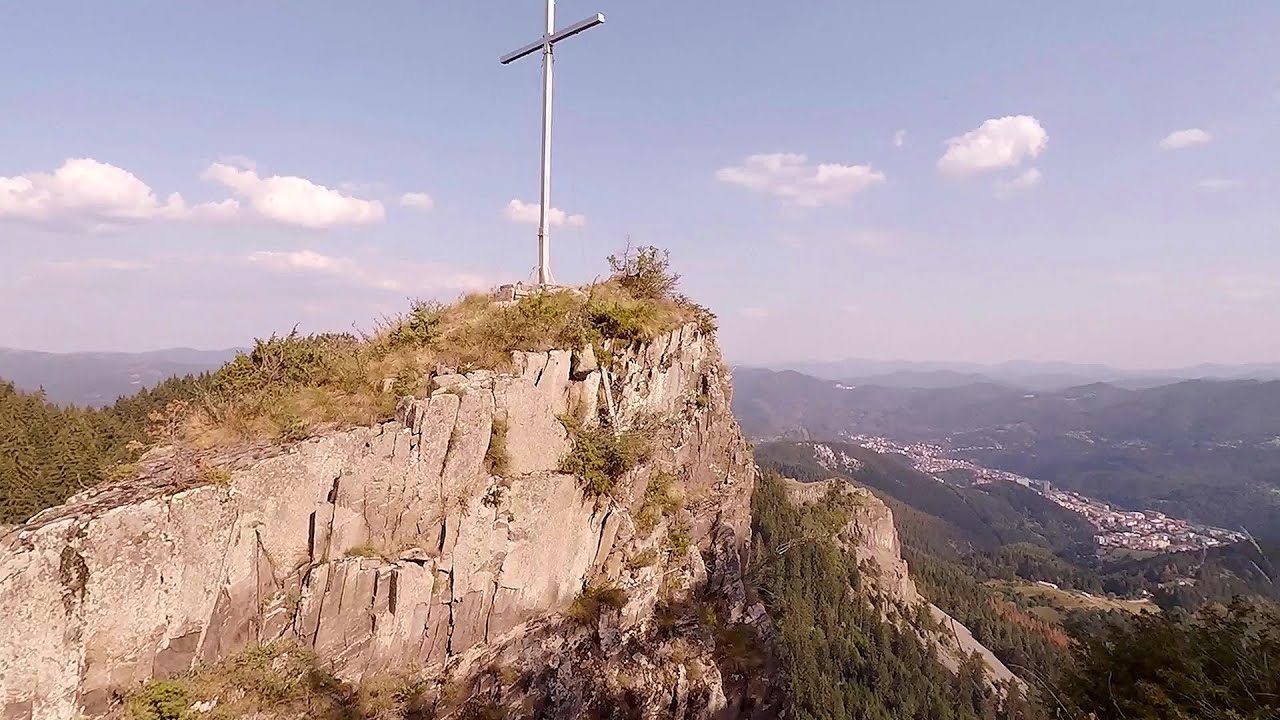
(873,538)
(395,548)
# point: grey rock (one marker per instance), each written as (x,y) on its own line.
(374,546)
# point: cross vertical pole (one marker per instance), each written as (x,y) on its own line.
(544,241)
(547,45)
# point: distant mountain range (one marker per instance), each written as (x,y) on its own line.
(1207,450)
(1027,374)
(99,378)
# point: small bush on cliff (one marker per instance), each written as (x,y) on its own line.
(645,272)
(591,604)
(600,457)
(283,678)
(660,500)
(161,700)
(419,328)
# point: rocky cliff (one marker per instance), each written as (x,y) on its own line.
(873,538)
(446,542)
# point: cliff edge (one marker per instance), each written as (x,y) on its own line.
(455,542)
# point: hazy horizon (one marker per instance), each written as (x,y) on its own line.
(923,365)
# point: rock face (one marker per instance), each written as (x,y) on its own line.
(876,545)
(395,548)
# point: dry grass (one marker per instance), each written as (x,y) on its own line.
(278,680)
(594,601)
(290,387)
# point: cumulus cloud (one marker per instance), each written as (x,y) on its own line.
(1216,184)
(997,143)
(527,213)
(1026,180)
(900,138)
(793,178)
(294,200)
(417,201)
(84,193)
(1179,139)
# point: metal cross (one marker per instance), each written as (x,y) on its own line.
(546,44)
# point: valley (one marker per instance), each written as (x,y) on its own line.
(1200,451)
(1127,529)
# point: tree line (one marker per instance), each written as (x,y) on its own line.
(50,452)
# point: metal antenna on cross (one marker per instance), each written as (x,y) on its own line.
(549,38)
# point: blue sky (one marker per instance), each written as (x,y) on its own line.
(982,181)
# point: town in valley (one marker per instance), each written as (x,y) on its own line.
(1147,530)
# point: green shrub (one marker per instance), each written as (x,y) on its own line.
(645,272)
(599,458)
(659,502)
(406,381)
(161,700)
(419,328)
(279,363)
(591,604)
(678,540)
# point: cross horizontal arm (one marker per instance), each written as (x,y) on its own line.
(568,32)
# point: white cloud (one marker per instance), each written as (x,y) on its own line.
(1026,180)
(417,201)
(87,194)
(1216,184)
(1179,139)
(394,276)
(997,143)
(900,138)
(791,177)
(528,213)
(755,313)
(294,200)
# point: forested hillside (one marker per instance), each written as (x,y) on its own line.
(977,551)
(49,452)
(842,658)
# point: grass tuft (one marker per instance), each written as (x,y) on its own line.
(659,502)
(592,603)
